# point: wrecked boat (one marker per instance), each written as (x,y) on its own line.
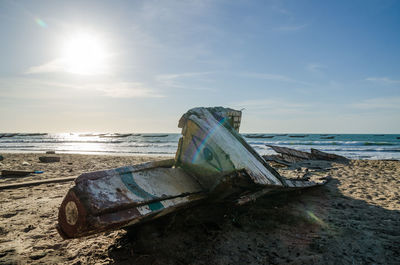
(213,162)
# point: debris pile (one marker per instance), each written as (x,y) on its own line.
(213,162)
(288,156)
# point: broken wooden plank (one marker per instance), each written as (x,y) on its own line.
(15,173)
(276,159)
(289,155)
(319,155)
(290,152)
(293,184)
(35,183)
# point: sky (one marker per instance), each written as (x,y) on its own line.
(137,66)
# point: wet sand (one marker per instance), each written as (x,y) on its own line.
(354,219)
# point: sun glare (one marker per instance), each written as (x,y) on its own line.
(85,53)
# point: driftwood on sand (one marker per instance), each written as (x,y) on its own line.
(15,173)
(288,156)
(35,183)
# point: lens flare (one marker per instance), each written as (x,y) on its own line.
(315,218)
(203,143)
(40,23)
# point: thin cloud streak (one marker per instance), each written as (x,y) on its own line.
(178,80)
(54,66)
(315,67)
(382,103)
(385,80)
(291,27)
(124,90)
(276,106)
(37,89)
(274,77)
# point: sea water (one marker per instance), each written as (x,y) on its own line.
(354,146)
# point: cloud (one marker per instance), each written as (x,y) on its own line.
(273,106)
(123,90)
(315,67)
(61,65)
(291,27)
(385,80)
(54,66)
(30,88)
(180,80)
(274,77)
(383,103)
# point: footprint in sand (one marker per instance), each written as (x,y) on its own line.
(3,231)
(37,236)
(28,228)
(9,215)
(37,256)
(6,252)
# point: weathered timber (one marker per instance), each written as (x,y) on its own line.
(293,184)
(276,159)
(212,162)
(49,159)
(289,156)
(290,152)
(34,183)
(211,148)
(120,197)
(319,155)
(15,173)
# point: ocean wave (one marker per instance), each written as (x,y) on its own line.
(18,146)
(378,143)
(62,142)
(326,143)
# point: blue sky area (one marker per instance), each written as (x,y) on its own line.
(294,66)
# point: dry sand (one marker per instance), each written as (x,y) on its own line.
(354,219)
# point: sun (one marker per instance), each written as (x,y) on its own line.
(85,53)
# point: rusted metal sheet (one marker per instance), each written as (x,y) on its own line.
(213,161)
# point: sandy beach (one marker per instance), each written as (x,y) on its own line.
(354,219)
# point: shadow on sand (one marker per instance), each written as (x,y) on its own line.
(317,226)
